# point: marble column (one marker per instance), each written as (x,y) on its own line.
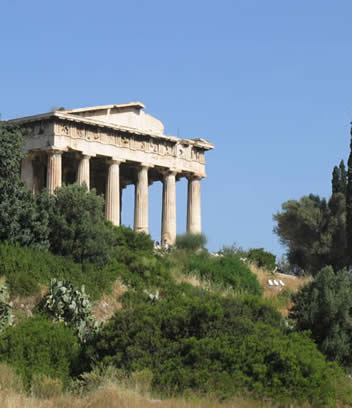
(168,224)
(54,174)
(194,216)
(27,173)
(141,201)
(83,171)
(112,196)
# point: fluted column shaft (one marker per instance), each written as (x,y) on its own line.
(194,216)
(83,171)
(168,227)
(141,201)
(54,175)
(112,196)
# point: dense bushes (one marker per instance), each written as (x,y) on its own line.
(194,340)
(6,316)
(26,269)
(37,346)
(21,219)
(227,270)
(263,259)
(77,225)
(191,242)
(324,306)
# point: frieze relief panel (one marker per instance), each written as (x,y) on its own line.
(138,143)
(127,141)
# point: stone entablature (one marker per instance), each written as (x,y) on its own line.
(109,147)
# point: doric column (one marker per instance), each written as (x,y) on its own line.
(141,201)
(54,175)
(27,173)
(112,196)
(194,216)
(83,171)
(168,224)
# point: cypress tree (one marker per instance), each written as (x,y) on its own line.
(343,177)
(335,182)
(339,179)
(349,204)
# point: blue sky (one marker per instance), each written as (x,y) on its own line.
(268,82)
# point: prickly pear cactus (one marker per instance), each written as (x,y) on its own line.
(6,316)
(67,304)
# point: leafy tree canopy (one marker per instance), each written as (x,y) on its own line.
(324,306)
(21,220)
(313,231)
(77,225)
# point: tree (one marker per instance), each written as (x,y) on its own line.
(263,259)
(301,226)
(324,306)
(21,221)
(349,203)
(77,225)
(339,179)
(314,232)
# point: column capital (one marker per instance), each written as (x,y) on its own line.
(55,151)
(169,172)
(147,165)
(115,161)
(194,176)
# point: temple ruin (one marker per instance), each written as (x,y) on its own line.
(112,146)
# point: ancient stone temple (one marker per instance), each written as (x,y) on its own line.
(109,147)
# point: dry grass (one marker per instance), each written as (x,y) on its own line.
(279,296)
(109,304)
(114,396)
(22,306)
(293,283)
(192,280)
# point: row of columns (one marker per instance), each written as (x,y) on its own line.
(113,197)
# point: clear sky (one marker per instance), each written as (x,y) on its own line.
(268,82)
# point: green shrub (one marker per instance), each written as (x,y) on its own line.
(227,270)
(140,270)
(191,242)
(193,340)
(6,316)
(263,259)
(37,346)
(65,303)
(324,307)
(77,225)
(26,269)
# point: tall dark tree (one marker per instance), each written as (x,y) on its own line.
(335,182)
(349,204)
(20,220)
(339,179)
(343,177)
(324,306)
